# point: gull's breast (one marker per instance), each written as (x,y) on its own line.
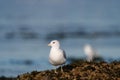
(56,57)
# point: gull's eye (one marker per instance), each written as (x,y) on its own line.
(53,42)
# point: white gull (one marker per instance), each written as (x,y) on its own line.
(57,56)
(90,52)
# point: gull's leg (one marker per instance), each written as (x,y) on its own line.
(55,71)
(88,59)
(91,58)
(61,69)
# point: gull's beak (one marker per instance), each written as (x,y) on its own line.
(49,44)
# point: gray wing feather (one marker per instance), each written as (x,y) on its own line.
(64,54)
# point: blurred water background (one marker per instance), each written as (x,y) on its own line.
(27,26)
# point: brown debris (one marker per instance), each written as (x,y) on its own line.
(79,70)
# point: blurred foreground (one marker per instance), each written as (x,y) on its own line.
(79,70)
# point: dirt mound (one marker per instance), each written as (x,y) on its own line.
(79,70)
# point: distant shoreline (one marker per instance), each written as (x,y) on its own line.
(7,78)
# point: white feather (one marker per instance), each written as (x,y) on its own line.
(90,52)
(57,56)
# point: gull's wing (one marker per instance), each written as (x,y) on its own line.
(64,54)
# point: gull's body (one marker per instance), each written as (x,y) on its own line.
(57,56)
(90,52)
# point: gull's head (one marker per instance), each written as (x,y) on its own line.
(87,46)
(54,43)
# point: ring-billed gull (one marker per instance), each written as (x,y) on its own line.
(90,52)
(57,56)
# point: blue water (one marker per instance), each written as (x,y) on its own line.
(26,27)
